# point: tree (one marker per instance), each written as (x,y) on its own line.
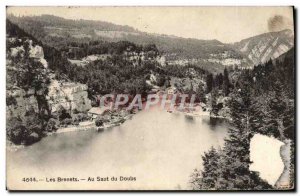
(236,153)
(62,113)
(209,83)
(226,83)
(51,125)
(29,73)
(213,102)
(27,130)
(209,174)
(15,130)
(218,81)
(231,164)
(161,80)
(99,121)
(201,93)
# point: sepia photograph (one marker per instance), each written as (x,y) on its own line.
(150,98)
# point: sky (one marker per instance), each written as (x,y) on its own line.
(226,24)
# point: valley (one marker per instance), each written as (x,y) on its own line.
(59,69)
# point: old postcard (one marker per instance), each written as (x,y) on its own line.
(150,98)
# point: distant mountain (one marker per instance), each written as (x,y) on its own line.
(59,32)
(212,55)
(264,47)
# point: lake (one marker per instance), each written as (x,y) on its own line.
(158,149)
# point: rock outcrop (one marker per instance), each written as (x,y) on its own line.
(264,47)
(72,96)
(36,52)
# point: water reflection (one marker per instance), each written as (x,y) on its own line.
(160,149)
(214,123)
(189,119)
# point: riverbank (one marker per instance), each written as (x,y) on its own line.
(197,111)
(13,147)
(83,126)
(111,119)
(138,145)
(91,125)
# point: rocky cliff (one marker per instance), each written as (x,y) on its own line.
(67,94)
(264,47)
(72,96)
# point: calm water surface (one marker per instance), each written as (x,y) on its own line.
(158,148)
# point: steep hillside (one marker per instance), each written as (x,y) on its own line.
(27,68)
(36,103)
(264,47)
(287,55)
(62,33)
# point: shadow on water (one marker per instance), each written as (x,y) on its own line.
(155,141)
(214,122)
(189,119)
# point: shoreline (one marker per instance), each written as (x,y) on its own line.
(87,125)
(282,182)
(198,113)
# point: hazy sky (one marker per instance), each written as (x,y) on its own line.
(227,24)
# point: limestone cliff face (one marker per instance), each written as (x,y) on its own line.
(36,52)
(69,95)
(264,47)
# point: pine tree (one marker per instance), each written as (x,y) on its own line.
(273,113)
(231,164)
(235,159)
(201,94)
(213,102)
(210,169)
(209,83)
(226,83)
(206,179)
(236,152)
(262,102)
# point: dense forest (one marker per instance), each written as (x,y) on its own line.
(25,73)
(115,74)
(262,101)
